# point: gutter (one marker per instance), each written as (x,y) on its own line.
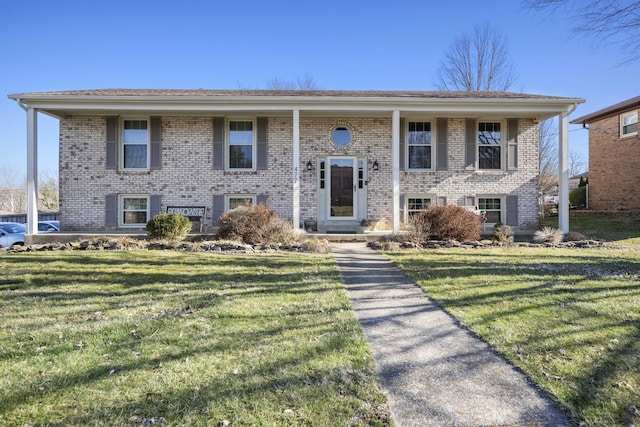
(21,104)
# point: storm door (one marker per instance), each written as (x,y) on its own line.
(343,179)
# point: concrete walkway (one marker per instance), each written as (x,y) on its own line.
(434,372)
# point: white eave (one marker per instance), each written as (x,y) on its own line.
(63,105)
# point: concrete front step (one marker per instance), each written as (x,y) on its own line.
(341,226)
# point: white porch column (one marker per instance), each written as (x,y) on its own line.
(32,171)
(296,170)
(563,172)
(395,175)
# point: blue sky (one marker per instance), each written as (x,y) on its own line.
(348,45)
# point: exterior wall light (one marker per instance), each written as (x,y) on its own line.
(309,165)
(375,165)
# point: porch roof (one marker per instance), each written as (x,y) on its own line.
(61,104)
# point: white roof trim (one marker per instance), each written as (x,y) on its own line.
(61,105)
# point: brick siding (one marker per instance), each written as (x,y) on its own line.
(187,177)
(614,167)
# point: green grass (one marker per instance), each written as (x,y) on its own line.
(135,338)
(570,319)
(617,229)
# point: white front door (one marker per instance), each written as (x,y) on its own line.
(343,187)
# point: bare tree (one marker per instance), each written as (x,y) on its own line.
(13,199)
(305,82)
(13,190)
(548,150)
(48,195)
(614,21)
(548,147)
(479,61)
(577,164)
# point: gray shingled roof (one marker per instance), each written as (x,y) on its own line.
(296,93)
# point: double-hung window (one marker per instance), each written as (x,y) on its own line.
(489,145)
(233,201)
(492,208)
(416,204)
(419,145)
(135,144)
(134,210)
(241,145)
(629,124)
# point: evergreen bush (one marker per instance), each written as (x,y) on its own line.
(168,226)
(578,197)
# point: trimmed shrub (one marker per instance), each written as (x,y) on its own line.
(168,226)
(446,223)
(578,197)
(255,224)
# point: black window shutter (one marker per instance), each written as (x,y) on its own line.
(441,144)
(218,143)
(261,199)
(218,209)
(403,207)
(155,137)
(155,203)
(512,144)
(512,210)
(471,146)
(403,144)
(262,140)
(111,210)
(112,143)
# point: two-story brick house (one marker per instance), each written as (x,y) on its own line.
(614,156)
(334,157)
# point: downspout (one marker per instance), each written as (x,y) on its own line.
(21,104)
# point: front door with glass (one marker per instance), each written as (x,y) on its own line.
(343,178)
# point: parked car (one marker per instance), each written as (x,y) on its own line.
(11,233)
(48,226)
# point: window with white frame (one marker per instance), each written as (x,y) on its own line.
(135,144)
(489,145)
(233,201)
(492,208)
(629,124)
(417,203)
(420,151)
(341,136)
(241,144)
(134,210)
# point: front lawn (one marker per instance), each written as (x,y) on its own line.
(111,338)
(618,229)
(570,319)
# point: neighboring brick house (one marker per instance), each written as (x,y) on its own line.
(334,157)
(614,156)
